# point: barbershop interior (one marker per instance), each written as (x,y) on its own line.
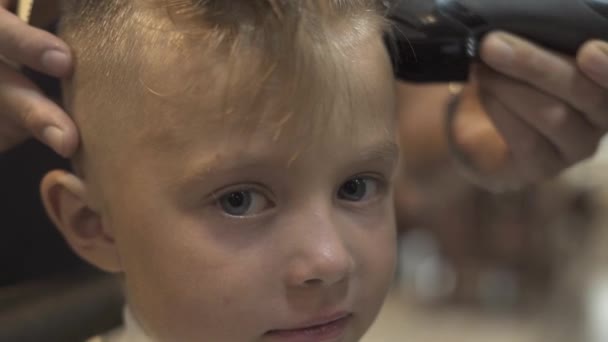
(481,255)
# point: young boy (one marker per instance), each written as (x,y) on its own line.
(236,165)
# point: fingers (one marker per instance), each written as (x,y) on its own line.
(533,156)
(24,110)
(35,48)
(555,75)
(593,60)
(26,107)
(564,127)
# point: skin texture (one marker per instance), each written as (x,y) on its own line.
(302,252)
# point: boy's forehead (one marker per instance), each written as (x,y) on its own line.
(190,100)
(193,100)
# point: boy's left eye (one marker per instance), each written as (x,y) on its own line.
(358,189)
(243,203)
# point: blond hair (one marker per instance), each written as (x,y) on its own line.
(252,51)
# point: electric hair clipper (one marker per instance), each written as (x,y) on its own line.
(437,40)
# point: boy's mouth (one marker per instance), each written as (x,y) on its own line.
(328,328)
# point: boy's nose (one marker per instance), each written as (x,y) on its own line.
(322,258)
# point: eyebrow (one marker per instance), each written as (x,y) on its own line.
(386,151)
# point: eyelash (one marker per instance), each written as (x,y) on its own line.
(381,190)
(382,185)
(240,188)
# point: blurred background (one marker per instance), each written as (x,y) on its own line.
(519,266)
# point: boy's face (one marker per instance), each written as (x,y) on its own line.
(254,237)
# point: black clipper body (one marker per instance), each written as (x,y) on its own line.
(436,40)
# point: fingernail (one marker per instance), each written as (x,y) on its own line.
(56,62)
(501,50)
(599,60)
(53,137)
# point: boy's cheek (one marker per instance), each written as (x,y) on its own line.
(377,257)
(176,287)
(376,248)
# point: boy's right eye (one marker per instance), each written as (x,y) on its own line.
(243,203)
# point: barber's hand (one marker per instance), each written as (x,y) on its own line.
(24,110)
(550,111)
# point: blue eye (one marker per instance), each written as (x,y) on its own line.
(243,203)
(358,189)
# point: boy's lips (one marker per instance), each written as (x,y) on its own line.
(325,328)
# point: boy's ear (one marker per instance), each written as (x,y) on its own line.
(65,199)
